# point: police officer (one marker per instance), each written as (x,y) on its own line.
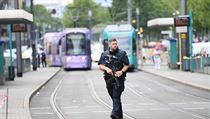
(114,63)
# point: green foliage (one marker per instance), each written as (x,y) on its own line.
(99,13)
(43,16)
(201,13)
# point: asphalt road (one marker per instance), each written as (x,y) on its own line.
(82,94)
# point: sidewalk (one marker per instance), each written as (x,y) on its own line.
(197,80)
(21,90)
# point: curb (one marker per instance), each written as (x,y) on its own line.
(179,81)
(28,97)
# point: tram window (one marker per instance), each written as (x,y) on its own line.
(58,47)
(49,49)
(63,44)
(76,44)
(105,44)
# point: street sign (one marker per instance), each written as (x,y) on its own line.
(183,36)
(19,28)
(181,29)
(182,21)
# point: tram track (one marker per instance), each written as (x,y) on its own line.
(91,86)
(60,114)
(54,104)
(95,96)
(136,92)
(58,110)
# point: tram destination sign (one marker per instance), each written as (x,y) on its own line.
(19,28)
(182,21)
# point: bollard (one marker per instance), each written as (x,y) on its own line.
(11,73)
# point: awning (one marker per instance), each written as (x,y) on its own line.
(15,16)
(161,22)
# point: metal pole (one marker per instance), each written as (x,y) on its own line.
(129,11)
(183,7)
(34,61)
(182,44)
(139,54)
(10,43)
(191,40)
(75,18)
(19,55)
(180,52)
(11,68)
(90,19)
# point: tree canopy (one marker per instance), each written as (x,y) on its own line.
(201,13)
(43,16)
(78,12)
(149,9)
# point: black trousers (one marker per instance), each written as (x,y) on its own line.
(115,94)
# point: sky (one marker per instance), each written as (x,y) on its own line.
(103,2)
(65,2)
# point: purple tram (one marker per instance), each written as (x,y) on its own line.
(76,48)
(52,48)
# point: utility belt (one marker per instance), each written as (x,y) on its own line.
(110,77)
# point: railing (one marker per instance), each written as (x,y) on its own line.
(202,64)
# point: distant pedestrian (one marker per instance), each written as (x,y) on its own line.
(38,60)
(44,63)
(156,56)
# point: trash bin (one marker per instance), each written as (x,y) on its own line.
(2,62)
(186,63)
(173,55)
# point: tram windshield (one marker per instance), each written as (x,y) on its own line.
(75,44)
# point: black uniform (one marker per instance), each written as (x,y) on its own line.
(115,85)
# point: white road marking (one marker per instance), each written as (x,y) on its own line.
(146,103)
(157,109)
(194,108)
(75,112)
(93,106)
(42,113)
(70,107)
(84,101)
(101,111)
(201,102)
(177,103)
(135,110)
(40,108)
(127,104)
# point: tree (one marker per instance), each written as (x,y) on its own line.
(43,16)
(201,14)
(81,8)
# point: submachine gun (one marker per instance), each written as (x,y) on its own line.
(113,60)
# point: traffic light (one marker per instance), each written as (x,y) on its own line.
(134,23)
(53,11)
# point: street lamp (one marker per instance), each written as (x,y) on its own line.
(75,18)
(175,13)
(90,19)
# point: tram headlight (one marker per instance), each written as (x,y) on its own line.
(68,59)
(83,58)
